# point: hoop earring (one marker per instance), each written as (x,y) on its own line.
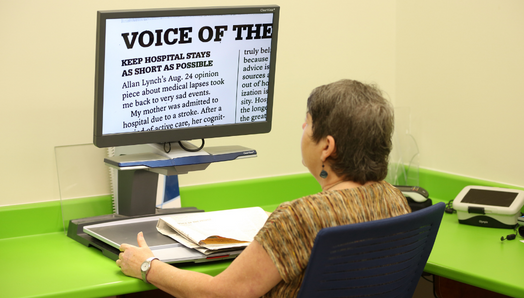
(323,173)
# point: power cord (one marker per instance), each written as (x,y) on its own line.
(167,147)
(192,150)
(449,207)
(518,230)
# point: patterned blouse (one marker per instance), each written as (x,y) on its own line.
(290,231)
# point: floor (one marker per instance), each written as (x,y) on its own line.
(424,288)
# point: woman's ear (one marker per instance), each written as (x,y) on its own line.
(329,148)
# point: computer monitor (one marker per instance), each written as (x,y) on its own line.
(168,75)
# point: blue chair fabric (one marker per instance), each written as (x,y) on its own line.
(381,258)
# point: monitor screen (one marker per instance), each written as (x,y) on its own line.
(183,74)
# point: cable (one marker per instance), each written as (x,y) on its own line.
(449,207)
(509,237)
(518,230)
(192,150)
(424,276)
(169,148)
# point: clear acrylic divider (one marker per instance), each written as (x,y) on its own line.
(403,168)
(83,181)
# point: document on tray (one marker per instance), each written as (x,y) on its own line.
(216,231)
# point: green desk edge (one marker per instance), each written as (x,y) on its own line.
(40,261)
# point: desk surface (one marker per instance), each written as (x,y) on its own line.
(477,256)
(52,265)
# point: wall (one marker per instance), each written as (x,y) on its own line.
(47,84)
(460,69)
(456,64)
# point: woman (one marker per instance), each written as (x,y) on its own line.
(345,144)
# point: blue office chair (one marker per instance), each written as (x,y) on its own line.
(382,258)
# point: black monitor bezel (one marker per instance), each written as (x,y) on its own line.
(164,136)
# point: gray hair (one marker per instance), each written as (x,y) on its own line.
(361,121)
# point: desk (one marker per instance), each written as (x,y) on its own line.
(40,261)
(470,254)
(476,256)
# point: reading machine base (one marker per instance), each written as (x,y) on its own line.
(76,232)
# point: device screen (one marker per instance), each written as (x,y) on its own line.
(171,75)
(489,197)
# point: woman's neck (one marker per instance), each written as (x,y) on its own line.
(341,184)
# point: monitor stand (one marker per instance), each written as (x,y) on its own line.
(139,168)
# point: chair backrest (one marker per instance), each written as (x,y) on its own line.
(381,258)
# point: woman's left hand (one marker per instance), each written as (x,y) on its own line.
(131,257)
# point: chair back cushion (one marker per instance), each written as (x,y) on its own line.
(381,258)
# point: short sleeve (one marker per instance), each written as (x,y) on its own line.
(284,240)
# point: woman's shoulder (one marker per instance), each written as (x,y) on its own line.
(375,189)
(303,200)
(381,191)
(291,208)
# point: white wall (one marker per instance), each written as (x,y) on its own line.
(460,67)
(47,61)
(457,64)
